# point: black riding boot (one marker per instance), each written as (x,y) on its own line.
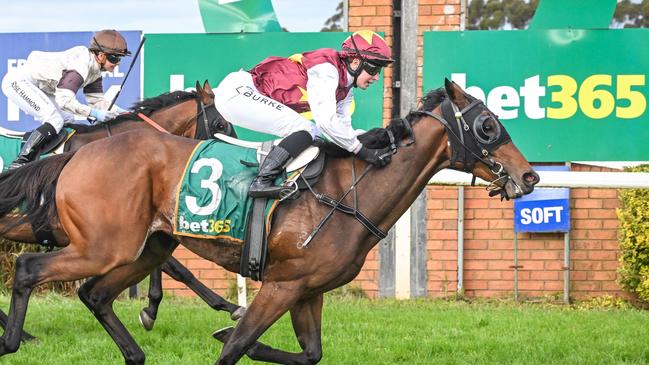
(32,146)
(263,185)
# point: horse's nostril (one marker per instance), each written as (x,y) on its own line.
(531,178)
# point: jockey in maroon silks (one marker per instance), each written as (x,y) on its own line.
(274,95)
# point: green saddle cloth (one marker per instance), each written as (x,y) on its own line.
(212,199)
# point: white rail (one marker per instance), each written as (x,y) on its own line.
(559,179)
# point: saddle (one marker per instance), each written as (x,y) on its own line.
(301,173)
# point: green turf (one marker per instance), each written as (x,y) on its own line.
(355,331)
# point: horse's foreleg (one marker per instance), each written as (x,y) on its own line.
(180,273)
(149,314)
(272,300)
(306,316)
(99,293)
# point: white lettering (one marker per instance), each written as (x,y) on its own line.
(531,94)
(502,97)
(540,215)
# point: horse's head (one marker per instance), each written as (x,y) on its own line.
(212,121)
(479,144)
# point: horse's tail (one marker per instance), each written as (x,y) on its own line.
(31,190)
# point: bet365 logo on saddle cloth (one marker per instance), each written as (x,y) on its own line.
(212,199)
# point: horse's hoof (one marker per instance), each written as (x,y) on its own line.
(238,314)
(222,334)
(25,337)
(146,320)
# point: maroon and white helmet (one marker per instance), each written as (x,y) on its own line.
(368,46)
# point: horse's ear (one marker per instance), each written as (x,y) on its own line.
(207,87)
(198,87)
(455,92)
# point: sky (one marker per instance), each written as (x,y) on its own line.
(151,16)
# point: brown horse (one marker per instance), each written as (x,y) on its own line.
(116,204)
(188,114)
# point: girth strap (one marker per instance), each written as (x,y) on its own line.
(354,212)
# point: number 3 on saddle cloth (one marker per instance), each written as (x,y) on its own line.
(212,200)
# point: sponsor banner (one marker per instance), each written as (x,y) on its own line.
(177,61)
(563,94)
(15,47)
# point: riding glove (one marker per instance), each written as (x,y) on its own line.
(102,115)
(377,157)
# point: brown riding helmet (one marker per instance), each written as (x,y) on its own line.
(109,41)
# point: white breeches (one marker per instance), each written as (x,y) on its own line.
(241,104)
(20,89)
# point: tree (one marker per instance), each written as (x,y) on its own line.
(516,14)
(500,14)
(631,15)
(334,23)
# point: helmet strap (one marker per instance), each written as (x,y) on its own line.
(359,69)
(356,72)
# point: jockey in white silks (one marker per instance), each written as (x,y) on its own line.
(45,87)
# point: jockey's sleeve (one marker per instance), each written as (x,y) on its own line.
(334,119)
(94,93)
(65,92)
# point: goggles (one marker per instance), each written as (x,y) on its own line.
(113,58)
(372,69)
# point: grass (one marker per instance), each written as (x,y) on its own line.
(355,331)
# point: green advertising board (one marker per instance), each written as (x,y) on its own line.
(177,61)
(563,94)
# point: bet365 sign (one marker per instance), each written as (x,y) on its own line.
(563,94)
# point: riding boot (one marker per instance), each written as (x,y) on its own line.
(263,185)
(32,146)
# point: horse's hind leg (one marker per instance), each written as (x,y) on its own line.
(306,316)
(149,314)
(25,336)
(180,273)
(99,293)
(33,269)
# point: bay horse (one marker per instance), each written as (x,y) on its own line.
(116,203)
(182,113)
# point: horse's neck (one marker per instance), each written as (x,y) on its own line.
(177,119)
(389,192)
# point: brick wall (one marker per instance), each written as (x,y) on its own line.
(489,246)
(488,222)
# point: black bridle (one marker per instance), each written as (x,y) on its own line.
(473,142)
(211,122)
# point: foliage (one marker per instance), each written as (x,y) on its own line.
(334,23)
(634,238)
(607,302)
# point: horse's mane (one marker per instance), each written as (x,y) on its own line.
(379,138)
(146,107)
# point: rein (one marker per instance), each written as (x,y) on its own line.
(201,111)
(353,211)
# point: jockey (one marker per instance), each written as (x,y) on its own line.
(45,87)
(270,97)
